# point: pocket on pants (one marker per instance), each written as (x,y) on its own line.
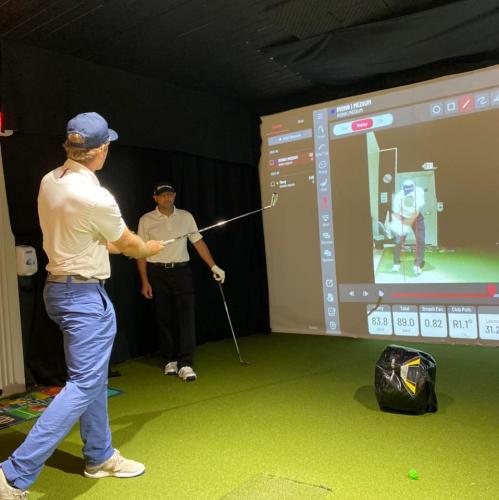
(105,299)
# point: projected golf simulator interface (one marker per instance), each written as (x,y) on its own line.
(388,216)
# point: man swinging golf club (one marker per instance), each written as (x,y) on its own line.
(79,220)
(167,279)
(406,215)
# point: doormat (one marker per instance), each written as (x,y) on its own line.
(267,487)
(21,407)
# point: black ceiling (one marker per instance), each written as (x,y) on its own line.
(212,46)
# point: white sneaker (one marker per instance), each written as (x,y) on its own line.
(187,374)
(396,268)
(417,270)
(8,492)
(171,368)
(116,466)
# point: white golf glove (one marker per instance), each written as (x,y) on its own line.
(218,274)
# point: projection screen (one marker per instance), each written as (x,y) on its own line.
(387,221)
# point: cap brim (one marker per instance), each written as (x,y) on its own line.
(113,135)
(161,191)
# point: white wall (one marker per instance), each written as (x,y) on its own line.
(11,348)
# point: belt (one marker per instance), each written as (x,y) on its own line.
(72,278)
(170,265)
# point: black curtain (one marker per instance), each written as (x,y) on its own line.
(211,190)
(41,89)
(344,56)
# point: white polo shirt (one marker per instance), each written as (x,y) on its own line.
(77,216)
(408,205)
(157,226)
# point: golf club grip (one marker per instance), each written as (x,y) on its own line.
(221,290)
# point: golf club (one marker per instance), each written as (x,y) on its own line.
(231,327)
(273,202)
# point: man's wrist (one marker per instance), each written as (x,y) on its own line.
(146,249)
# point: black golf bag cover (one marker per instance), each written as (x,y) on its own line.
(404,380)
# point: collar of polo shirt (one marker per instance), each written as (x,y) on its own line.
(76,167)
(159,214)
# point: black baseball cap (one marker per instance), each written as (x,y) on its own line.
(163,187)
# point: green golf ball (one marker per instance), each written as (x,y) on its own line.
(413,474)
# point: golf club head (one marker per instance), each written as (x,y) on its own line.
(273,200)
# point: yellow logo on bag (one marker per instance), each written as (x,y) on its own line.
(408,376)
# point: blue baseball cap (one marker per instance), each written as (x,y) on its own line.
(93,128)
(409,186)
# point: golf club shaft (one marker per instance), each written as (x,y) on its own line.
(230,322)
(273,203)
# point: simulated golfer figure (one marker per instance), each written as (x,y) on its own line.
(406,216)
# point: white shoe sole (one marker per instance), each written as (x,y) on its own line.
(100,474)
(190,376)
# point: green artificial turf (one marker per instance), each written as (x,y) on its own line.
(265,487)
(303,413)
(442,266)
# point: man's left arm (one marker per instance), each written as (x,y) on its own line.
(113,249)
(204,252)
(420,199)
(418,205)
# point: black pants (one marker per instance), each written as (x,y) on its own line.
(173,304)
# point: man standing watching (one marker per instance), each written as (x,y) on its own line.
(79,218)
(167,279)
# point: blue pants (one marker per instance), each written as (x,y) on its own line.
(86,317)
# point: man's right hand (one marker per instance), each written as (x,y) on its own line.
(154,247)
(147,290)
(133,246)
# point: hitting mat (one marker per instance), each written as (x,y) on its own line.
(21,407)
(265,486)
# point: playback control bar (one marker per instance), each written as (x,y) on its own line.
(435,293)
